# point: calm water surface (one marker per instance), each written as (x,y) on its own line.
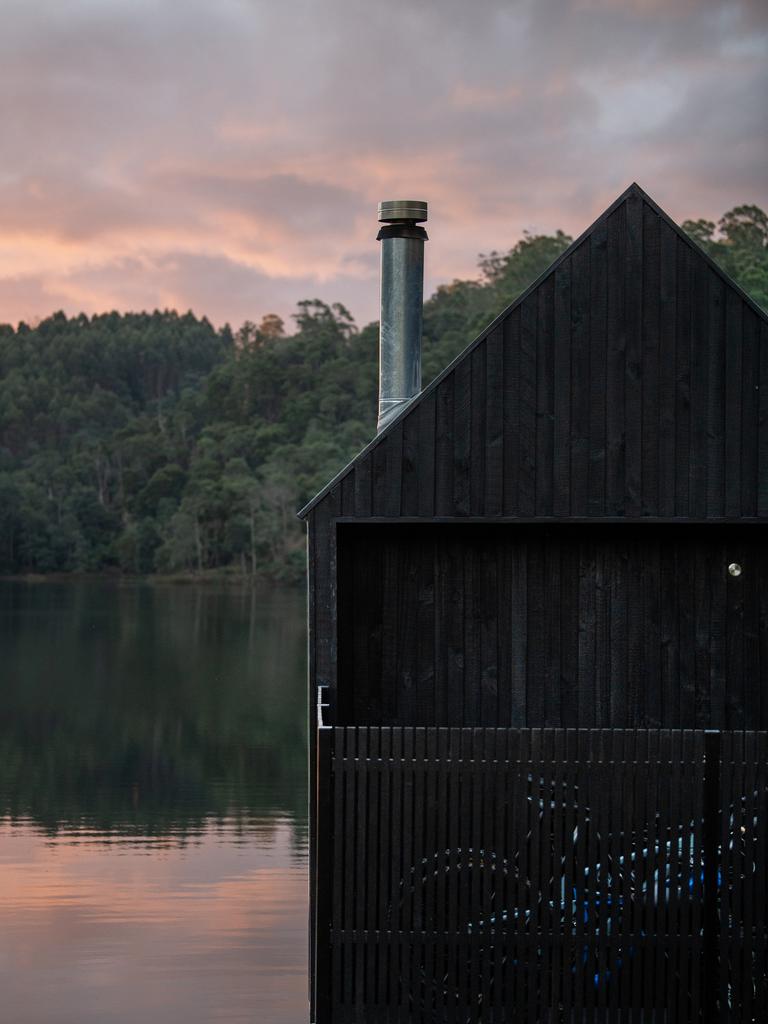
(153,835)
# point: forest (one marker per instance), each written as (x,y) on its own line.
(152,443)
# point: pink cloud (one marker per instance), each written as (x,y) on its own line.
(230,159)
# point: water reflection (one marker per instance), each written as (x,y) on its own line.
(152,804)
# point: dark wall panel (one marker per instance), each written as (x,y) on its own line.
(527,625)
(628,383)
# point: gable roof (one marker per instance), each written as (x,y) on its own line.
(632,194)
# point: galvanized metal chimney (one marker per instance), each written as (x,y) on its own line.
(402,299)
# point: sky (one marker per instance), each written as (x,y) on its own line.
(227,156)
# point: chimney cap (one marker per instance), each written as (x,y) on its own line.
(402,209)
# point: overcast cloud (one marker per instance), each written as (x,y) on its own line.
(228,157)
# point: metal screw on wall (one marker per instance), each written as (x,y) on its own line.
(734,569)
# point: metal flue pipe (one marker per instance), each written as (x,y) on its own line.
(402,299)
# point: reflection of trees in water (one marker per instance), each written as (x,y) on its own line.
(152,708)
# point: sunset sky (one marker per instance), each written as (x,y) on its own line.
(227,155)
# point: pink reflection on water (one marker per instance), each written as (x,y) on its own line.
(104,928)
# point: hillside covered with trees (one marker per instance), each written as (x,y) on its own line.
(153,443)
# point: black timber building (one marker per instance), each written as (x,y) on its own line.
(564,531)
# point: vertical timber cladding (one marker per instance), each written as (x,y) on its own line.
(529,625)
(630,382)
(542,538)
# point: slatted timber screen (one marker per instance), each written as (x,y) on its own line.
(542,875)
(743,867)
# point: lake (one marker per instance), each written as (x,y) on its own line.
(153,832)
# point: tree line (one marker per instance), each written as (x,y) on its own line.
(153,443)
